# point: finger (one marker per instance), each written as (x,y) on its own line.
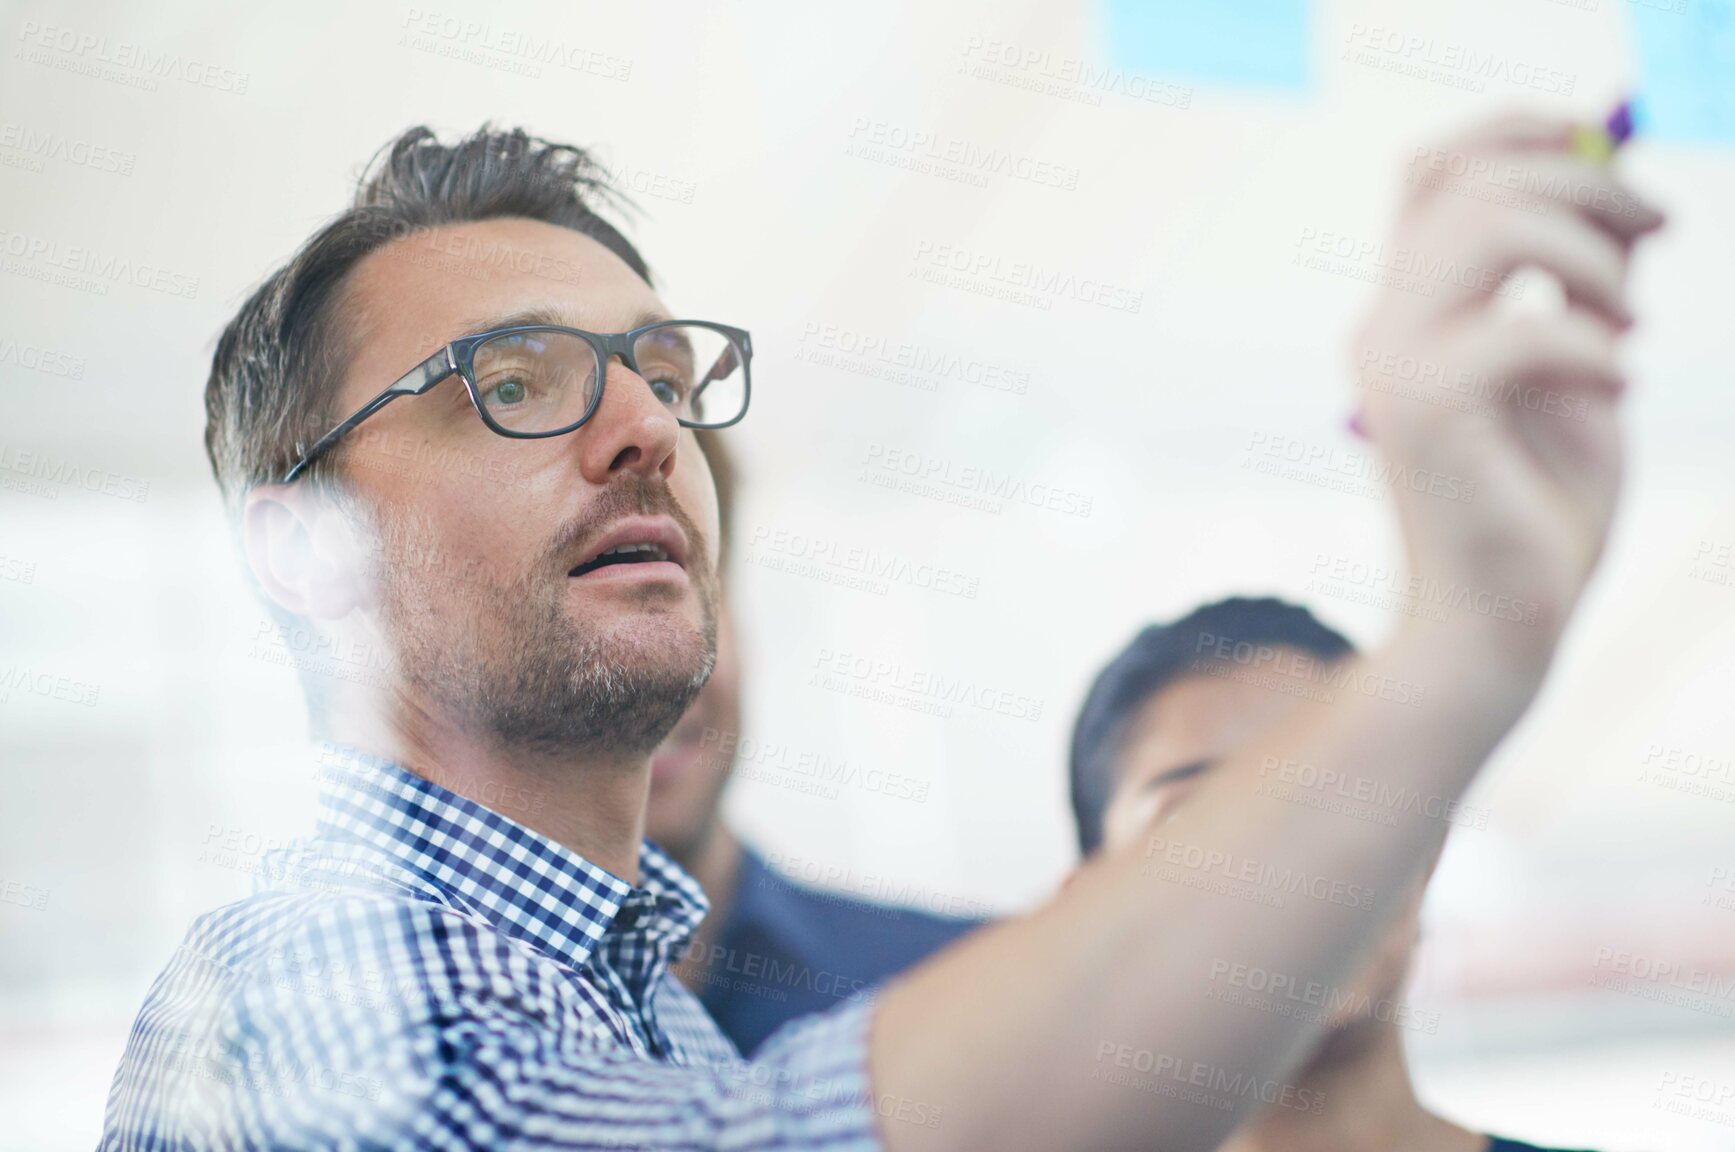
(1537,182)
(1511,132)
(1515,129)
(1543,141)
(1589,263)
(1594,190)
(1572,353)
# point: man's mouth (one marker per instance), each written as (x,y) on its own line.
(645,546)
(625,554)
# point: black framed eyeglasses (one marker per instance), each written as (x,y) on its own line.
(532,381)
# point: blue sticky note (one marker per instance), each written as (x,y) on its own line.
(1239,43)
(1686,85)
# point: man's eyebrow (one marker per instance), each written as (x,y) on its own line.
(547,316)
(1184,772)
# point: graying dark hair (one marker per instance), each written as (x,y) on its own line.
(279,362)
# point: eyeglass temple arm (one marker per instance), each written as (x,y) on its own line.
(721,367)
(412,383)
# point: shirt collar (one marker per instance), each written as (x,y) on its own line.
(526,885)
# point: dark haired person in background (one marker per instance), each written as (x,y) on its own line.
(1159,717)
(773,949)
(458,427)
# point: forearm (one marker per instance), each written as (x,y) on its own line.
(1088,1023)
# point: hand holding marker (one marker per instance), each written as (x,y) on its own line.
(1588,141)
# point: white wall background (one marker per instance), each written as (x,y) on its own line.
(736,123)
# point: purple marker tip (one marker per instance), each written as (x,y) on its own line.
(1620,123)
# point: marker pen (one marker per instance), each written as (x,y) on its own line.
(1600,144)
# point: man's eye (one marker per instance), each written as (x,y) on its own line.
(508,391)
(670,392)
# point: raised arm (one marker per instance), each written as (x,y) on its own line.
(1086,1024)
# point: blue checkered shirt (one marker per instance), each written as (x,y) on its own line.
(427,973)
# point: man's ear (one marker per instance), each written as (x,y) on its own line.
(303,551)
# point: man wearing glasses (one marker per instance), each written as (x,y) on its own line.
(472,950)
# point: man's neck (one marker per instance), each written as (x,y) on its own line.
(1367,1105)
(591,805)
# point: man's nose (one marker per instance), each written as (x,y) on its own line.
(632,430)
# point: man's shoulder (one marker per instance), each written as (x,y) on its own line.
(285,999)
(310,891)
(881,934)
(392,947)
(299,940)
(873,896)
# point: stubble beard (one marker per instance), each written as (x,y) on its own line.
(502,654)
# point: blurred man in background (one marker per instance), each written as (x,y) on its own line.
(1159,717)
(772,949)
